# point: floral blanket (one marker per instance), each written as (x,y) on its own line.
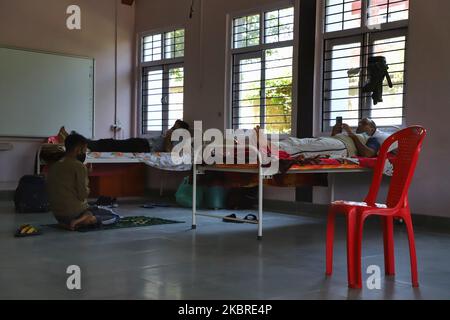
(159,160)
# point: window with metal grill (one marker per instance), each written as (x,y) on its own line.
(162,81)
(162,97)
(342,15)
(246,31)
(174,44)
(346,68)
(279,25)
(384,11)
(262,71)
(152,48)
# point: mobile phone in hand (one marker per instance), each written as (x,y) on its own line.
(339,121)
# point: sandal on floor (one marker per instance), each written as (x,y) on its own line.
(251,217)
(27,230)
(232,216)
(156,205)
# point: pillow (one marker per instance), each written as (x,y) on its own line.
(381,138)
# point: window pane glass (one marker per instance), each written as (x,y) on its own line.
(246,31)
(176,94)
(341,84)
(278,90)
(246,93)
(152,100)
(390,111)
(279,25)
(342,15)
(151,48)
(174,44)
(383,11)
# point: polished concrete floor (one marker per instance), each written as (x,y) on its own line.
(217,261)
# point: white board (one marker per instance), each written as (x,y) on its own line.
(40,92)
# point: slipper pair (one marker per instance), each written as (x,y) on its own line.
(27,230)
(153,205)
(230,218)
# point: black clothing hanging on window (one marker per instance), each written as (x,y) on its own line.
(377,71)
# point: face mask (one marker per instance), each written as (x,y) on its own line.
(81,157)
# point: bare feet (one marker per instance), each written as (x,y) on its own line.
(86,219)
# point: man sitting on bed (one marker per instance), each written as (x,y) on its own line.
(342,143)
(68,186)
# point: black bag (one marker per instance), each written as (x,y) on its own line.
(31,195)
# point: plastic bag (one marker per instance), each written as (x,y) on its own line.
(183,195)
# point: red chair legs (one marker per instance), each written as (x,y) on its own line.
(351,224)
(330,240)
(355,264)
(388,240)
(412,250)
(351,248)
(359,228)
(355,227)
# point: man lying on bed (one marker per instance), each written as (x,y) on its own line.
(68,186)
(342,143)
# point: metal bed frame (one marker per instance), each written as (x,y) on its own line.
(202,169)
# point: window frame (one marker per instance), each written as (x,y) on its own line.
(165,105)
(259,49)
(163,63)
(367,34)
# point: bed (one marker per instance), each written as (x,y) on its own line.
(158,160)
(348,165)
(115,174)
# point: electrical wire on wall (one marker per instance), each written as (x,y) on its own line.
(115,69)
(201,42)
(191,12)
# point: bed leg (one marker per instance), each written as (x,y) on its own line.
(194,196)
(332,179)
(260,203)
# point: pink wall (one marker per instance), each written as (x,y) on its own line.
(42,25)
(428,102)
(428,99)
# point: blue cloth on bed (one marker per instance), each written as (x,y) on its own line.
(373,144)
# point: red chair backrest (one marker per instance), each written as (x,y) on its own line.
(409,146)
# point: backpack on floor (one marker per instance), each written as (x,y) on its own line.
(31,195)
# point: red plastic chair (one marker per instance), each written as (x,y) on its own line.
(409,146)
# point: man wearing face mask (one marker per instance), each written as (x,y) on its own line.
(342,143)
(361,142)
(68,186)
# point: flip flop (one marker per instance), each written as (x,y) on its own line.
(162,205)
(27,230)
(233,216)
(251,217)
(158,204)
